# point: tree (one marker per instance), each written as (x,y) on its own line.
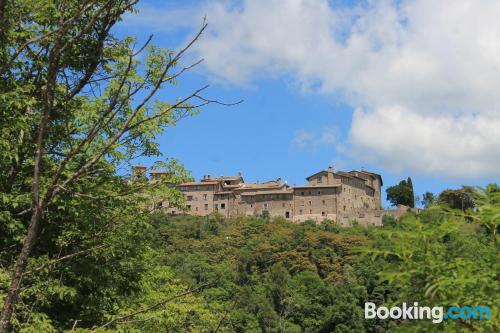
(448,262)
(462,199)
(401,194)
(410,192)
(76,104)
(427,199)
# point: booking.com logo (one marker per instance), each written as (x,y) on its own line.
(436,313)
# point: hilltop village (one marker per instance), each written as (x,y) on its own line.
(340,196)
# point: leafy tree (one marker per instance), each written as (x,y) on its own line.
(401,194)
(450,262)
(411,193)
(462,199)
(427,199)
(76,103)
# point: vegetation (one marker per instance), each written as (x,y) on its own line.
(254,274)
(462,199)
(402,193)
(428,199)
(81,250)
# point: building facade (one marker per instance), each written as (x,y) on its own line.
(340,196)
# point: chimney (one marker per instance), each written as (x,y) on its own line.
(330,168)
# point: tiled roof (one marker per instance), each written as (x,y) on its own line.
(198,183)
(317,186)
(253,193)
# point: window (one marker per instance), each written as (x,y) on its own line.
(222,206)
(189,198)
(205,196)
(302,193)
(320,179)
(309,192)
(310,211)
(344,208)
(188,207)
(265,206)
(300,211)
(310,203)
(287,215)
(319,192)
(216,207)
(196,208)
(324,202)
(323,214)
(206,206)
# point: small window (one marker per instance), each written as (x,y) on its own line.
(300,211)
(310,203)
(206,206)
(319,192)
(320,179)
(196,208)
(265,206)
(324,202)
(189,198)
(222,206)
(344,208)
(309,192)
(205,196)
(302,193)
(323,214)
(188,207)
(310,211)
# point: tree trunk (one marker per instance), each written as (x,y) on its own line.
(19,268)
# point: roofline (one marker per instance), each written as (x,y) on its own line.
(373,174)
(317,173)
(198,183)
(317,186)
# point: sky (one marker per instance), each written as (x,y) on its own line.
(400,88)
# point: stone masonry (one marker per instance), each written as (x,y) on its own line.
(340,196)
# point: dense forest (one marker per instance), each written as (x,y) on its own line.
(167,273)
(82,250)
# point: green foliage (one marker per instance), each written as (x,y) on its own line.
(462,199)
(428,199)
(269,277)
(451,261)
(401,194)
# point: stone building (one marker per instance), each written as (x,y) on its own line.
(340,196)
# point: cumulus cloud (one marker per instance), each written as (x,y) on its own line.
(422,75)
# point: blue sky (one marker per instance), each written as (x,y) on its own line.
(317,91)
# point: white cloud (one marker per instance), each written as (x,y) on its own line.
(311,140)
(423,75)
